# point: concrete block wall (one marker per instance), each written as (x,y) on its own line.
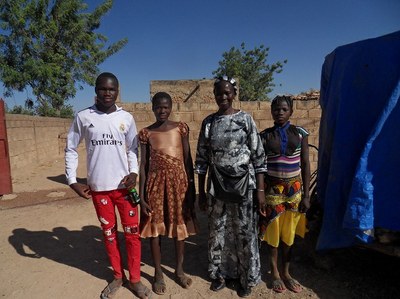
(34,140)
(194,91)
(307,113)
(194,100)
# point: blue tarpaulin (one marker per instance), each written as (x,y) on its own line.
(359,143)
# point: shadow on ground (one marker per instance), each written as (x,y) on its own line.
(82,249)
(61,179)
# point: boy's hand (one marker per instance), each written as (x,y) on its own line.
(129,180)
(81,189)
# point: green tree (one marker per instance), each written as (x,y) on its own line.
(250,67)
(51,47)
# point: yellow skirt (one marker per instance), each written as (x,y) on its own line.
(284,227)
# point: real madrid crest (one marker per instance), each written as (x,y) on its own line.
(122,127)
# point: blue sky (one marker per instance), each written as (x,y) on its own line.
(183,39)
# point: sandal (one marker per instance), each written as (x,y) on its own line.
(217,284)
(293,285)
(183,280)
(111,289)
(244,292)
(140,290)
(278,286)
(159,286)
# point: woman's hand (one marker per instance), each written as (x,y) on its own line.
(260,194)
(261,202)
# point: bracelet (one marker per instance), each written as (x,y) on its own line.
(261,190)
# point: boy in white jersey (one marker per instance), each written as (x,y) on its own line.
(111,143)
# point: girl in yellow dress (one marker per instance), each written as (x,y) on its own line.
(283,216)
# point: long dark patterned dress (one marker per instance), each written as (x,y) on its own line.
(232,245)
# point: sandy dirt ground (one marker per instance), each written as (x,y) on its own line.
(51,247)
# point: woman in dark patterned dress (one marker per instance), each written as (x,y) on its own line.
(166,184)
(229,139)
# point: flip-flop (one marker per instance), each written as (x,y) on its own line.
(293,285)
(278,286)
(111,289)
(143,292)
(159,286)
(183,280)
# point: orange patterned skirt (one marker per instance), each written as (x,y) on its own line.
(166,190)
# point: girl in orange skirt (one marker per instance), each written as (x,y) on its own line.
(166,184)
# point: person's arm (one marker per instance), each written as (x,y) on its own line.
(202,192)
(131,140)
(187,156)
(201,165)
(145,206)
(257,158)
(142,171)
(74,138)
(305,175)
(260,194)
